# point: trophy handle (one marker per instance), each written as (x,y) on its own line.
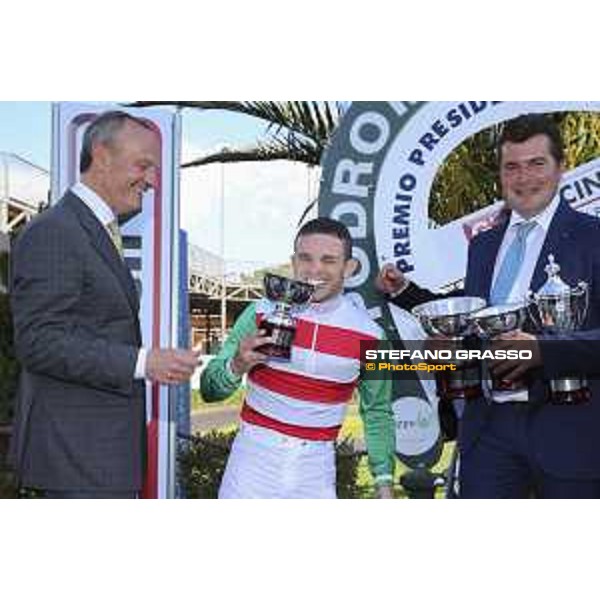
(585,290)
(532,310)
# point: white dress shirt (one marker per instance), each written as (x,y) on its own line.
(104,213)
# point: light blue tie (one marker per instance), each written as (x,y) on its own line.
(511,265)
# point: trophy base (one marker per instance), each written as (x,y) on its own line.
(463,384)
(503,385)
(283,338)
(276,352)
(569,392)
(454,394)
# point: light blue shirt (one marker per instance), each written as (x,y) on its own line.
(534,244)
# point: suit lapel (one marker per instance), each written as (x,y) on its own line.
(104,246)
(486,260)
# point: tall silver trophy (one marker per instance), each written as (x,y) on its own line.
(498,320)
(452,319)
(288,297)
(558,308)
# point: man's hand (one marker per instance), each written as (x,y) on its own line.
(171,367)
(391,281)
(249,355)
(385,492)
(514,370)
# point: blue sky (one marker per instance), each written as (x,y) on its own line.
(25,129)
(263,201)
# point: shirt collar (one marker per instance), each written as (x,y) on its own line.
(543,219)
(102,211)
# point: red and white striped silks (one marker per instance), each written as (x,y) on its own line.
(308,397)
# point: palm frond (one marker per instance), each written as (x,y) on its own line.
(306,212)
(317,119)
(269,151)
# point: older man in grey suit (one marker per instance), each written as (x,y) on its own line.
(79,429)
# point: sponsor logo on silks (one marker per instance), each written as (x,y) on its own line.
(377,178)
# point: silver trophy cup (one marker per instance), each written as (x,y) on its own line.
(288,296)
(498,320)
(452,319)
(558,308)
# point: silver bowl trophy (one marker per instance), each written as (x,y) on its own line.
(498,320)
(451,319)
(288,296)
(558,308)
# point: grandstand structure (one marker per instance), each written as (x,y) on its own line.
(24,190)
(217,295)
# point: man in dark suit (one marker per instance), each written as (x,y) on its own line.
(516,445)
(79,429)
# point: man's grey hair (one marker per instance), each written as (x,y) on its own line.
(102,130)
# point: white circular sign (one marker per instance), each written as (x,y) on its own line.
(417,426)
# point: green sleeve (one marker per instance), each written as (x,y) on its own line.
(218,382)
(378,420)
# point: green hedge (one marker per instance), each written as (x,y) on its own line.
(9,369)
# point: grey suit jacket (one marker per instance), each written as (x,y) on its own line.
(80,415)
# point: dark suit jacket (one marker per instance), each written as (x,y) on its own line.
(80,416)
(565,439)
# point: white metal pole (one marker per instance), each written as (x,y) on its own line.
(175,306)
(223,263)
